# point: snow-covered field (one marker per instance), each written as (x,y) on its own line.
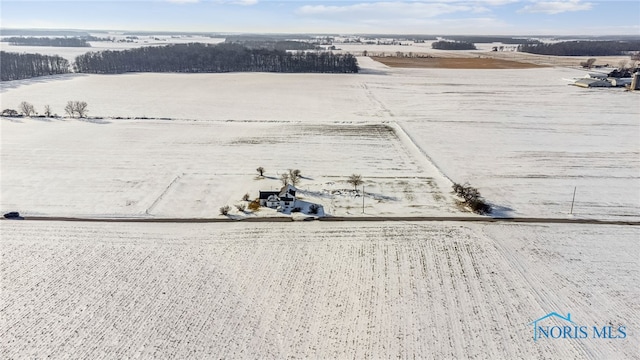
(522,137)
(180,168)
(313,290)
(318,289)
(526,140)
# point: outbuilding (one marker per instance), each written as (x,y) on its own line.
(590,83)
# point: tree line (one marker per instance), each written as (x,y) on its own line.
(48,41)
(489,39)
(282,45)
(199,58)
(453,45)
(582,48)
(73,109)
(23,66)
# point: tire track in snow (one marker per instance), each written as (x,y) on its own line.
(410,141)
(382,108)
(155,203)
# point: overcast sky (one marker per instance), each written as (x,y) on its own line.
(490,17)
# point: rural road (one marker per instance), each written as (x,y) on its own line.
(342,219)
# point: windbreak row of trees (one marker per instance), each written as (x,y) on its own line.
(282,45)
(488,39)
(581,48)
(197,58)
(23,66)
(453,45)
(47,41)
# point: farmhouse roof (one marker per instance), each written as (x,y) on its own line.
(265,194)
(287,190)
(588,82)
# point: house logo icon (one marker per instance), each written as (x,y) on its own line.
(537,329)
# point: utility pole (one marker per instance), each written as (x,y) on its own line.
(574,198)
(363,199)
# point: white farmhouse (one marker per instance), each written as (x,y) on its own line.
(283,200)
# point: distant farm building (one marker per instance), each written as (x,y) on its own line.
(635,82)
(612,79)
(598,76)
(619,82)
(591,83)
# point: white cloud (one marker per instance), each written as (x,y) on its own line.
(556,7)
(415,9)
(245,2)
(238,2)
(183,1)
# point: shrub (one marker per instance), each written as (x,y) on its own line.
(225,210)
(479,206)
(241,207)
(313,209)
(9,112)
(471,197)
(245,197)
(254,205)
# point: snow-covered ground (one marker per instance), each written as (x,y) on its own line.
(526,140)
(318,289)
(176,168)
(313,290)
(522,137)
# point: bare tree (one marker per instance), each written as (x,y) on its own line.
(622,64)
(245,197)
(47,111)
(284,178)
(294,177)
(588,64)
(27,109)
(81,108)
(70,109)
(355,180)
(76,107)
(225,210)
(241,207)
(260,171)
